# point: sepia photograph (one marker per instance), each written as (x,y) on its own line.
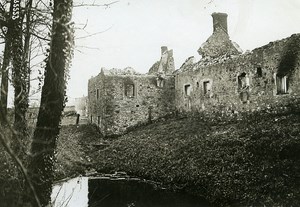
(149,103)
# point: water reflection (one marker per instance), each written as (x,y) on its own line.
(118,192)
(71,193)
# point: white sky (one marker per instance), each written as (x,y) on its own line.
(134,31)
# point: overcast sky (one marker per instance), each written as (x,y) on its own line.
(132,31)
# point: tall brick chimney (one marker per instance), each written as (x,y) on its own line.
(164,49)
(220,21)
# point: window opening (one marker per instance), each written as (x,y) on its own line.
(99,120)
(187,90)
(282,86)
(160,82)
(259,72)
(206,87)
(243,87)
(97,92)
(129,90)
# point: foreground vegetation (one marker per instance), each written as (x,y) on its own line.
(251,159)
(248,160)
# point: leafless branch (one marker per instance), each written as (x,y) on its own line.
(95,5)
(87,47)
(20,164)
(90,35)
(78,50)
(42,38)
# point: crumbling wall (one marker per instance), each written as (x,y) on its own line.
(96,100)
(129,100)
(219,43)
(166,63)
(224,80)
(251,81)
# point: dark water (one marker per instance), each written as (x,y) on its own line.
(129,193)
(118,192)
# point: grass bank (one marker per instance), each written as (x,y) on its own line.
(244,160)
(254,160)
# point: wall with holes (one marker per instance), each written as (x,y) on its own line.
(127,100)
(265,76)
(268,75)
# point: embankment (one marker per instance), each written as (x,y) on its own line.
(252,159)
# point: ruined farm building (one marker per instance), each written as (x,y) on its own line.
(119,99)
(224,79)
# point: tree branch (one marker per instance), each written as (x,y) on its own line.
(20,164)
(93,34)
(95,5)
(39,37)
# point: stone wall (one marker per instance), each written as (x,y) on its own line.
(223,80)
(166,63)
(127,100)
(219,43)
(263,77)
(97,100)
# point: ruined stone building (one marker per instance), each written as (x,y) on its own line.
(224,79)
(119,99)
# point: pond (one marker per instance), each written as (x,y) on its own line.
(109,191)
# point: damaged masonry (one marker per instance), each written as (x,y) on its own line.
(224,79)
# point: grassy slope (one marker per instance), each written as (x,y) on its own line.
(255,160)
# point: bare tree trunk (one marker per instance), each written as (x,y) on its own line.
(5,66)
(52,102)
(27,36)
(4,79)
(19,76)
